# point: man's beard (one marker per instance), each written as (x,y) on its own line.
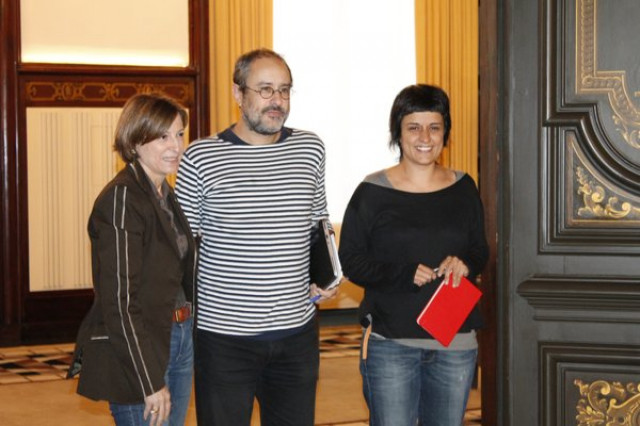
(259,127)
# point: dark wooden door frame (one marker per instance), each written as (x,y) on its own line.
(28,317)
(490,183)
(9,267)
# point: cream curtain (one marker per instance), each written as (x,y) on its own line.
(447,56)
(237,26)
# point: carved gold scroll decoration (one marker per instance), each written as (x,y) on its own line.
(612,83)
(599,200)
(608,404)
(51,91)
(596,202)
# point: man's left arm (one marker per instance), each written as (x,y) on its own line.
(319,211)
(319,207)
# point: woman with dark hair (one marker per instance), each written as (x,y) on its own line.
(405,229)
(135,348)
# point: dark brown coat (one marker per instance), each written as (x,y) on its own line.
(123,343)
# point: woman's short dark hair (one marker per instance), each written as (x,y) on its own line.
(418,98)
(243,64)
(144,118)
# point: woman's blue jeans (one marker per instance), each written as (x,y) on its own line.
(405,386)
(178,379)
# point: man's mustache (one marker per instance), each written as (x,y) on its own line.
(274,108)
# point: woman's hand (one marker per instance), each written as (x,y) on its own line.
(454,267)
(316,294)
(424,275)
(158,406)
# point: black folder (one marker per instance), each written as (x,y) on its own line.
(325,269)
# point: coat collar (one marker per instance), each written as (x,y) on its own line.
(135,168)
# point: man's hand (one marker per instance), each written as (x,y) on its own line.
(317,295)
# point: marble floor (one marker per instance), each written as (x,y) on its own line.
(35,395)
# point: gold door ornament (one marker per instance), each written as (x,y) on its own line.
(598,204)
(613,83)
(592,198)
(611,404)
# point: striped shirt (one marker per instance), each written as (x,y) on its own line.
(254,207)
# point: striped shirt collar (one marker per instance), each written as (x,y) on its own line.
(229,136)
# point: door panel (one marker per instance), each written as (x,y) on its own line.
(569,227)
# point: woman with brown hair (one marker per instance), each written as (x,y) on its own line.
(134,348)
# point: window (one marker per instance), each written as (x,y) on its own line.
(349,59)
(83,32)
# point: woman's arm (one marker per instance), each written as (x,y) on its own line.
(358,264)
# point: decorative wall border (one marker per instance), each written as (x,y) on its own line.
(100,90)
(583,299)
(41,92)
(582,382)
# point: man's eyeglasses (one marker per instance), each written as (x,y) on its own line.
(267,92)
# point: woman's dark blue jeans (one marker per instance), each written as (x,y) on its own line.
(178,378)
(403,385)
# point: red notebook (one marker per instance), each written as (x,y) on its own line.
(448,308)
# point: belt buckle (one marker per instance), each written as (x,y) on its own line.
(182,314)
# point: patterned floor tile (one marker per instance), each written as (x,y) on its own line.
(26,364)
